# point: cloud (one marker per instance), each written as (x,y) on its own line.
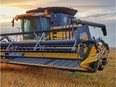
(7,13)
(26,4)
(107,15)
(93,12)
(77,3)
(69,3)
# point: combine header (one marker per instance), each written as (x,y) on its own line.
(53,37)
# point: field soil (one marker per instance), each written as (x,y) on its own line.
(27,76)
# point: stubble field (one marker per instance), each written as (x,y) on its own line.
(27,76)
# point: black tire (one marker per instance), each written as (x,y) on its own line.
(100,68)
(94,65)
(104,61)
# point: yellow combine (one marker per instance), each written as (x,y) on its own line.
(53,37)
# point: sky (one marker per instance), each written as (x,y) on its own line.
(99,11)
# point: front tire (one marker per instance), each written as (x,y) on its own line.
(100,67)
(104,61)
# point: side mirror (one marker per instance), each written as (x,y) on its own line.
(12,22)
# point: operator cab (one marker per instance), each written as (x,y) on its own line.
(32,24)
(41,19)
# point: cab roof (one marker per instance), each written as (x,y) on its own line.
(64,10)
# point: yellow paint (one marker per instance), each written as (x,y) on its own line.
(93,51)
(89,60)
(28,40)
(43,14)
(85,38)
(52,55)
(2,53)
(93,58)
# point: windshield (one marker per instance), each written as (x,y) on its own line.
(34,24)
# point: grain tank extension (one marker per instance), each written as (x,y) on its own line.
(53,37)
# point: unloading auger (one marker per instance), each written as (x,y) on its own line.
(53,37)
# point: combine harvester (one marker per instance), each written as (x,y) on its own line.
(53,37)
